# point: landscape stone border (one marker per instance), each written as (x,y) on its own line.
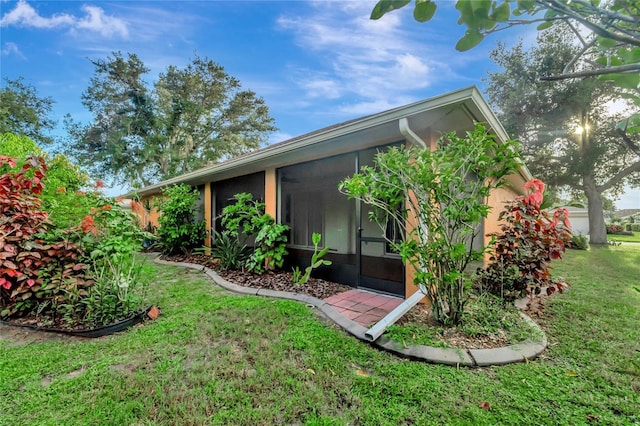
(520,352)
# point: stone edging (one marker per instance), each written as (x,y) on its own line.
(459,357)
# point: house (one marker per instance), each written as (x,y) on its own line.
(579,219)
(298,178)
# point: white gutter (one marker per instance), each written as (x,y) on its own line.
(376,331)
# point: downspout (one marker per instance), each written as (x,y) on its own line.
(376,331)
(409,134)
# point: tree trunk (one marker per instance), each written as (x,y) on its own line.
(597,229)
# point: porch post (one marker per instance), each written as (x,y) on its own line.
(270,192)
(207,213)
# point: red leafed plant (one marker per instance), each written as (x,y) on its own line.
(529,240)
(29,268)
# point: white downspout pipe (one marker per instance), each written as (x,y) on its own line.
(376,331)
(409,134)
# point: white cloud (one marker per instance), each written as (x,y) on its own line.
(10,48)
(322,88)
(367,65)
(94,20)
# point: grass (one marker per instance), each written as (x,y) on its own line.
(216,358)
(635,238)
(485,318)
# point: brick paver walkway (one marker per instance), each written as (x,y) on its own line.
(363,307)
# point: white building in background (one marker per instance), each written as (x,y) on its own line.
(579,219)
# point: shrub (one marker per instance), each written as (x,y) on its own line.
(30,269)
(617,230)
(179,232)
(579,242)
(246,218)
(229,251)
(118,292)
(446,192)
(521,253)
(270,250)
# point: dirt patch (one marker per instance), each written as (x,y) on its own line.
(21,336)
(279,280)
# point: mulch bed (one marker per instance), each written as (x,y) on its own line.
(280,280)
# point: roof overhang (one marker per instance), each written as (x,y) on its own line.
(452,111)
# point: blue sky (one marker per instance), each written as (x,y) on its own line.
(315,63)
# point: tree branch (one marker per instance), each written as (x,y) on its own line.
(592,73)
(599,30)
(634,168)
(633,147)
(586,46)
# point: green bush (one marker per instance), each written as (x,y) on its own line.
(445,192)
(270,250)
(179,232)
(229,251)
(246,218)
(118,292)
(579,242)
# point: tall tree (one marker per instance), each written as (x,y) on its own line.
(567,128)
(187,119)
(608,32)
(24,112)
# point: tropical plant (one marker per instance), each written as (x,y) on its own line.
(29,267)
(119,291)
(179,231)
(232,254)
(245,216)
(530,238)
(269,251)
(438,200)
(316,261)
(245,219)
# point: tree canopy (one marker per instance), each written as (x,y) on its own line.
(24,112)
(567,127)
(189,118)
(608,33)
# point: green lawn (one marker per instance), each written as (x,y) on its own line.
(216,358)
(635,238)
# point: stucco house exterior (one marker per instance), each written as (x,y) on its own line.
(297,179)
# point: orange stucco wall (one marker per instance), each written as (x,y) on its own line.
(270,192)
(497,200)
(145,216)
(207,213)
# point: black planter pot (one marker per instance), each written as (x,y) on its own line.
(91,332)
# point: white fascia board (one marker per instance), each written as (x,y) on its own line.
(458,96)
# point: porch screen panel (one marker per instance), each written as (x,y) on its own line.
(224,190)
(312,203)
